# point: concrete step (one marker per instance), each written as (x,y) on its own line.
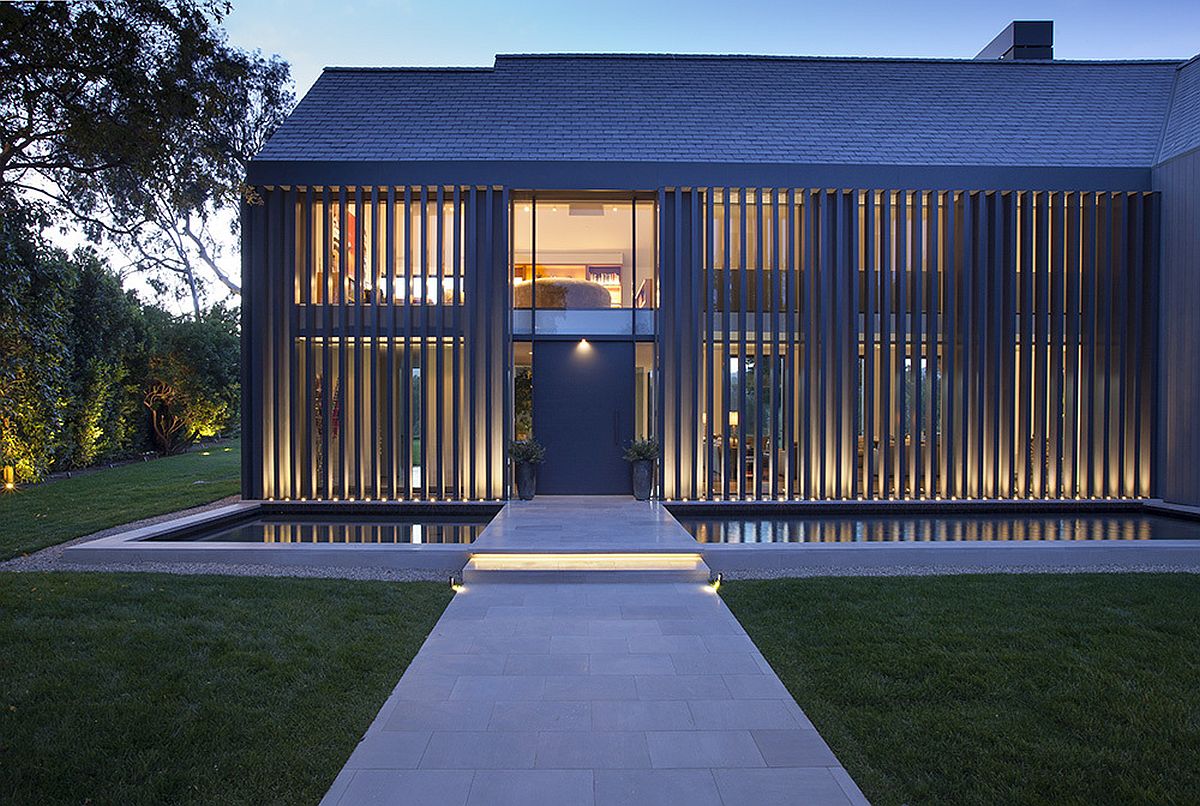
(585,567)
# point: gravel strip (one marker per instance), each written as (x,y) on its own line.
(926,571)
(248,570)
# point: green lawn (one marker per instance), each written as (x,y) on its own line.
(994,689)
(150,688)
(45,514)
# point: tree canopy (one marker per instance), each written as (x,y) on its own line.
(135,119)
(132,120)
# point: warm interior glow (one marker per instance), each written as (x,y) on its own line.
(589,254)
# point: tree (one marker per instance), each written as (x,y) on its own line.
(193,376)
(72,348)
(183,207)
(106,348)
(135,120)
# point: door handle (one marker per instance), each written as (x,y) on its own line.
(617,428)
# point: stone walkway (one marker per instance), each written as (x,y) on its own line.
(590,693)
(584,523)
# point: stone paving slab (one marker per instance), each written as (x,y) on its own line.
(584,523)
(591,694)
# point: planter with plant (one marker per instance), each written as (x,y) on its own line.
(641,455)
(526,455)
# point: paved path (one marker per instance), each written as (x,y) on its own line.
(590,693)
(584,523)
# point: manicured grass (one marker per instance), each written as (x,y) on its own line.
(994,689)
(149,688)
(45,514)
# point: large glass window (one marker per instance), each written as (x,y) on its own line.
(583,254)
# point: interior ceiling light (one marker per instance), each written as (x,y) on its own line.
(586,208)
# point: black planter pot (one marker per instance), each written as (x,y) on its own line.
(526,480)
(643,478)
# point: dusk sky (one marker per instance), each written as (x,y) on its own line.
(314,33)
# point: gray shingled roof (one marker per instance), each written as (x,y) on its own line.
(1182,132)
(738,110)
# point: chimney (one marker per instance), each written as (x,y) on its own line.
(1022,39)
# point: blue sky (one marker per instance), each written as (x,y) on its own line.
(311,34)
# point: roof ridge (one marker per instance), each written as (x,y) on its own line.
(746,57)
(810,58)
(384,69)
(1166,122)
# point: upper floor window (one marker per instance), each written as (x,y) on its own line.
(583,253)
(349,251)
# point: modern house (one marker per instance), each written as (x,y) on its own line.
(809,278)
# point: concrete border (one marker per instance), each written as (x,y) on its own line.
(932,556)
(143,546)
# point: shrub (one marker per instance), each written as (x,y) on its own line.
(106,337)
(192,384)
(641,450)
(526,451)
(33,345)
(85,369)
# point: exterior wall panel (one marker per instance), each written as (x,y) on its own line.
(1178,376)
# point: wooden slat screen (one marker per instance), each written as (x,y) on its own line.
(378,338)
(906,344)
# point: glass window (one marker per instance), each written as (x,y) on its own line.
(583,254)
(643,390)
(431,277)
(522,252)
(523,389)
(645,290)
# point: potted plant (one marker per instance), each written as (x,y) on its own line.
(526,455)
(641,454)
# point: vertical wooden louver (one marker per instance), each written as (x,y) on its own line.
(811,344)
(907,344)
(376,343)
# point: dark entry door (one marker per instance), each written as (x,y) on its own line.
(583,414)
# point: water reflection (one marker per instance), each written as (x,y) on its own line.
(383,532)
(743,529)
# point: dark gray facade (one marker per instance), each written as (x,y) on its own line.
(956,298)
(1177,180)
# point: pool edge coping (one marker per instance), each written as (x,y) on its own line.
(140,545)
